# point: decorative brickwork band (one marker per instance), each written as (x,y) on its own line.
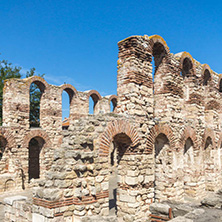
(70,201)
(155,131)
(114,128)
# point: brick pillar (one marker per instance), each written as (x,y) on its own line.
(134,79)
(15,104)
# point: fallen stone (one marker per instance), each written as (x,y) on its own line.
(159,208)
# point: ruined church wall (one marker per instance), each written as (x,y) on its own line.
(166,130)
(17,133)
(80,173)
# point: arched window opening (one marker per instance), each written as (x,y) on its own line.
(93,100)
(91,105)
(162,164)
(35,147)
(187,67)
(36,90)
(188,145)
(121,142)
(208,142)
(220,86)
(3,143)
(67,96)
(159,53)
(113,104)
(160,142)
(206,77)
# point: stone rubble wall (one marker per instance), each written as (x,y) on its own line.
(162,142)
(18,208)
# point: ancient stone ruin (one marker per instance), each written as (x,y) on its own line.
(162,140)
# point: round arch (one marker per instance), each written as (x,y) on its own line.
(71,90)
(208,133)
(186,57)
(206,74)
(94,94)
(160,129)
(7,134)
(36,133)
(39,81)
(158,39)
(114,128)
(188,132)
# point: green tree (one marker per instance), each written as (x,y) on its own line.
(35,96)
(9,71)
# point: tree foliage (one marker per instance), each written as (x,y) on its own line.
(9,71)
(35,97)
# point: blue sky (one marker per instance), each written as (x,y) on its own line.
(76,41)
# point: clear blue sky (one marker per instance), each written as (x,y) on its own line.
(76,41)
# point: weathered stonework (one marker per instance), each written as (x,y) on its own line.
(163,140)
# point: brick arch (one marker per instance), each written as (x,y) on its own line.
(7,134)
(113,97)
(70,87)
(36,79)
(158,39)
(113,128)
(155,131)
(188,132)
(36,133)
(204,68)
(185,55)
(208,133)
(94,92)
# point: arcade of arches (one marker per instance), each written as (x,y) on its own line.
(159,138)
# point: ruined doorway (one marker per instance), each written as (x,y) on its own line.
(163,165)
(35,146)
(121,142)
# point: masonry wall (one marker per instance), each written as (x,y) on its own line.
(162,142)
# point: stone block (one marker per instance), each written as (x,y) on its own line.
(10,200)
(127,198)
(131,180)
